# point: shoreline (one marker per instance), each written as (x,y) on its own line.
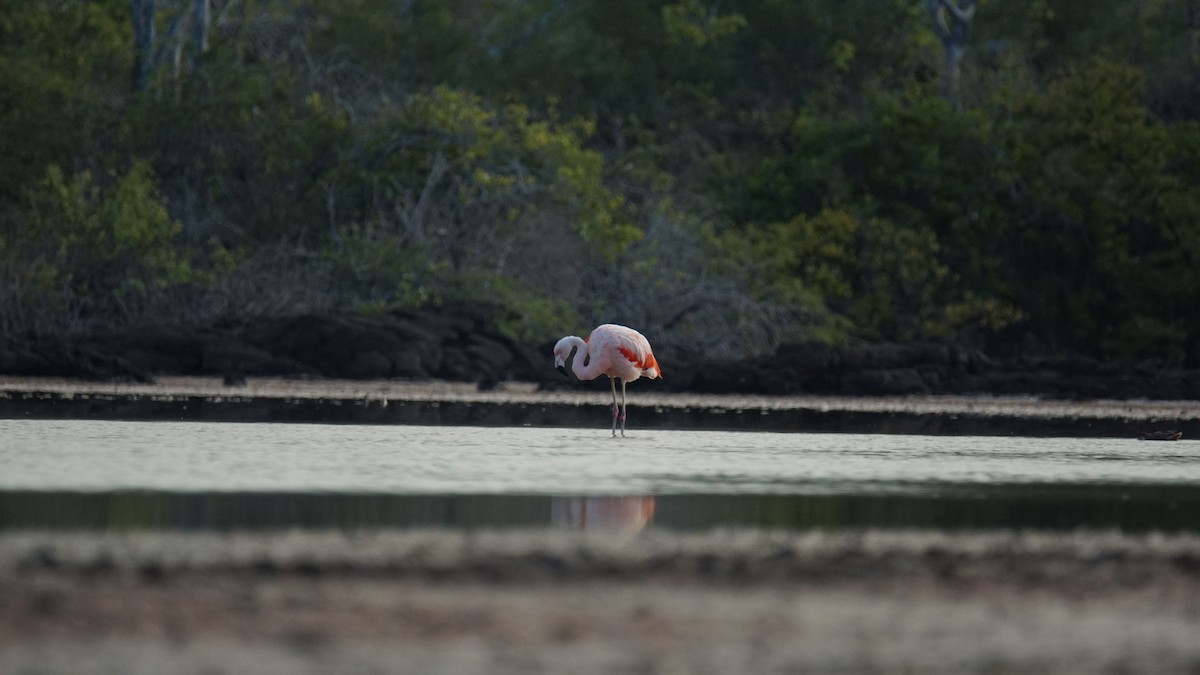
(518,403)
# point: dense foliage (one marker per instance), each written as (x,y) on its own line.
(727,176)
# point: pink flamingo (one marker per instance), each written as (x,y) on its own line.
(619,352)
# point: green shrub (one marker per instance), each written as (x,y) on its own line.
(87,254)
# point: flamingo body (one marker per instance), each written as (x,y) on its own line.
(617,351)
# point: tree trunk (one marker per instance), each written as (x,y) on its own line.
(952,73)
(201,19)
(143,43)
(1193,25)
(952,23)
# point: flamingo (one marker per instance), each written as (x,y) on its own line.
(619,352)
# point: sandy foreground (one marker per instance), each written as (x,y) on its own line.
(550,602)
(556,601)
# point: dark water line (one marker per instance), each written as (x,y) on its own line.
(435,413)
(1131,508)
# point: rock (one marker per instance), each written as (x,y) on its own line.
(341,346)
(161,349)
(228,356)
(455,365)
(18,358)
(53,356)
(888,382)
(408,365)
(368,365)
(534,363)
(1166,435)
(492,355)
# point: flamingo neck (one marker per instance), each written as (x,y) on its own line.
(584,372)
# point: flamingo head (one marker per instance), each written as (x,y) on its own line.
(562,353)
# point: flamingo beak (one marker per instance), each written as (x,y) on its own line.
(562,369)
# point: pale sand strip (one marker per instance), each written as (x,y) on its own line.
(382,392)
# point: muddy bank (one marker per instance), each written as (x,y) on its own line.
(541,601)
(463,343)
(1078,563)
(515,404)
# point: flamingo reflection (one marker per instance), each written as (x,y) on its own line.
(624,514)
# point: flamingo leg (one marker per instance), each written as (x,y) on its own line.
(624,409)
(613,382)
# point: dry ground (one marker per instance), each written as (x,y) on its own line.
(550,602)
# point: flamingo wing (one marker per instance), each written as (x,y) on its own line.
(636,357)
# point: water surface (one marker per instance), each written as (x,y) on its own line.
(196,474)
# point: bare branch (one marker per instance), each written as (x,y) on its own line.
(414,217)
(962,14)
(143,43)
(201,17)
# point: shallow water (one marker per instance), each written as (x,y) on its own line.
(227,475)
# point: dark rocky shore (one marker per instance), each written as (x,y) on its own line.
(462,343)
